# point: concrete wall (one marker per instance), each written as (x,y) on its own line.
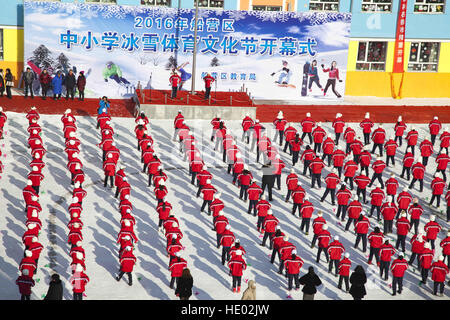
(197,112)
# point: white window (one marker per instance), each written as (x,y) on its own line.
(211,4)
(376,6)
(371,56)
(165,3)
(423,56)
(266,8)
(101,1)
(324,5)
(429,6)
(1,44)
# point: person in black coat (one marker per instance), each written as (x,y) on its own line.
(358,279)
(310,281)
(268,178)
(55,289)
(9,83)
(184,285)
(70,82)
(2,83)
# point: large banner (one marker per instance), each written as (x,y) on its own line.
(275,55)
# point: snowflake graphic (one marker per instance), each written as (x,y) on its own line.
(88,13)
(116,12)
(236,15)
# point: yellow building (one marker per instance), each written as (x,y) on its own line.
(11,53)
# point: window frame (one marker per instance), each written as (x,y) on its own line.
(157,5)
(323,2)
(101,2)
(420,42)
(209,5)
(424,3)
(372,2)
(367,42)
(264,6)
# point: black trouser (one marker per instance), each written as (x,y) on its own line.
(295,157)
(286,145)
(295,207)
(424,274)
(56,96)
(70,92)
(174,92)
(333,195)
(415,225)
(305,224)
(438,286)
(252,204)
(400,140)
(205,202)
(345,279)
(363,237)
(279,134)
(397,281)
(316,177)
(173,280)
(342,208)
(29,86)
(412,149)
(347,148)
(413,257)
(207,92)
(259,222)
(266,236)
(236,281)
(384,268)
(356,158)
(288,195)
(291,278)
(309,136)
(363,192)
(315,80)
(77,296)
(306,166)
(45,88)
(366,138)
(444,176)
(377,176)
(330,266)
(278,181)
(243,192)
(199,190)
(275,252)
(36,188)
(388,157)
(338,135)
(25,297)
(8,92)
(401,239)
(193,175)
(374,252)
(446,150)
(433,139)
(374,207)
(317,146)
(414,181)
(314,239)
(80,94)
(332,83)
(407,170)
(349,179)
(225,254)
(387,226)
(111,179)
(130,276)
(380,148)
(320,251)
(349,222)
(268,181)
(365,168)
(328,156)
(425,161)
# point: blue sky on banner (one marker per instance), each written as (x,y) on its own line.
(79,27)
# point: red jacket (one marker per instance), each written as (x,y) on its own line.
(216,206)
(220,224)
(365,159)
(262,207)
(289,133)
(378,136)
(286,250)
(377,196)
(376,240)
(318,134)
(445,245)
(362,181)
(418,170)
(208,192)
(426,148)
(227,238)
(245,178)
(307,209)
(442,160)
(391,147)
(403,200)
(279,124)
(318,224)
(298,194)
(412,137)
(127,261)
(254,191)
(343,196)
(378,166)
(332,180)
(415,211)
(296,144)
(439,271)
(362,226)
(434,126)
(398,267)
(338,125)
(408,160)
(350,168)
(416,245)
(399,128)
(386,252)
(237,265)
(270,223)
(366,125)
(354,209)
(308,154)
(29,264)
(391,186)
(403,226)
(445,139)
(177,266)
(307,124)
(291,181)
(328,146)
(324,238)
(432,228)
(25,283)
(247,123)
(349,135)
(293,265)
(36,178)
(316,165)
(335,250)
(344,267)
(438,186)
(164,213)
(79,281)
(338,158)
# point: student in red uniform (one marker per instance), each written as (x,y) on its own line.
(295,146)
(208,194)
(378,138)
(425,261)
(364,160)
(318,223)
(350,168)
(398,269)
(293,266)
(432,229)
(391,148)
(343,196)
(176,269)
(415,210)
(208,79)
(338,126)
(291,183)
(442,161)
(280,124)
(323,238)
(306,212)
(237,265)
(289,134)
(366,124)
(174,80)
(338,158)
(411,139)
(403,227)
(377,197)
(418,173)
(445,140)
(328,149)
(344,271)
(438,273)
(318,134)
(361,182)
(25,282)
(392,186)
(269,225)
(298,195)
(78,281)
(316,167)
(349,136)
(127,261)
(362,225)
(331,181)
(376,239)
(353,210)
(399,129)
(254,192)
(386,253)
(426,150)
(335,251)
(307,125)
(435,126)
(307,156)
(227,239)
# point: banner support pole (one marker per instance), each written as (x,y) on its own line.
(194,55)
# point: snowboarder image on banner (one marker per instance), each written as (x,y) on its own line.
(313,75)
(305,78)
(112,71)
(185,76)
(285,76)
(333,75)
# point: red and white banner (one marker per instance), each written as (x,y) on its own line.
(399,52)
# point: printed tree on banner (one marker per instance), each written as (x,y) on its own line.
(62,62)
(172,63)
(42,57)
(214,62)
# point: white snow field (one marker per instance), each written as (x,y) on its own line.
(151,277)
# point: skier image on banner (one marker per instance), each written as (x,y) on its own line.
(313,74)
(112,71)
(185,76)
(333,75)
(285,75)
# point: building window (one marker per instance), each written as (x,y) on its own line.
(423,56)
(429,6)
(101,1)
(210,4)
(1,44)
(165,3)
(266,8)
(376,6)
(324,5)
(371,56)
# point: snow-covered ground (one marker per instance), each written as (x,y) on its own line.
(151,277)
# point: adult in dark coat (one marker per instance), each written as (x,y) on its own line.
(9,83)
(310,281)
(358,280)
(184,285)
(28,77)
(45,80)
(81,85)
(70,82)
(2,83)
(268,178)
(55,289)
